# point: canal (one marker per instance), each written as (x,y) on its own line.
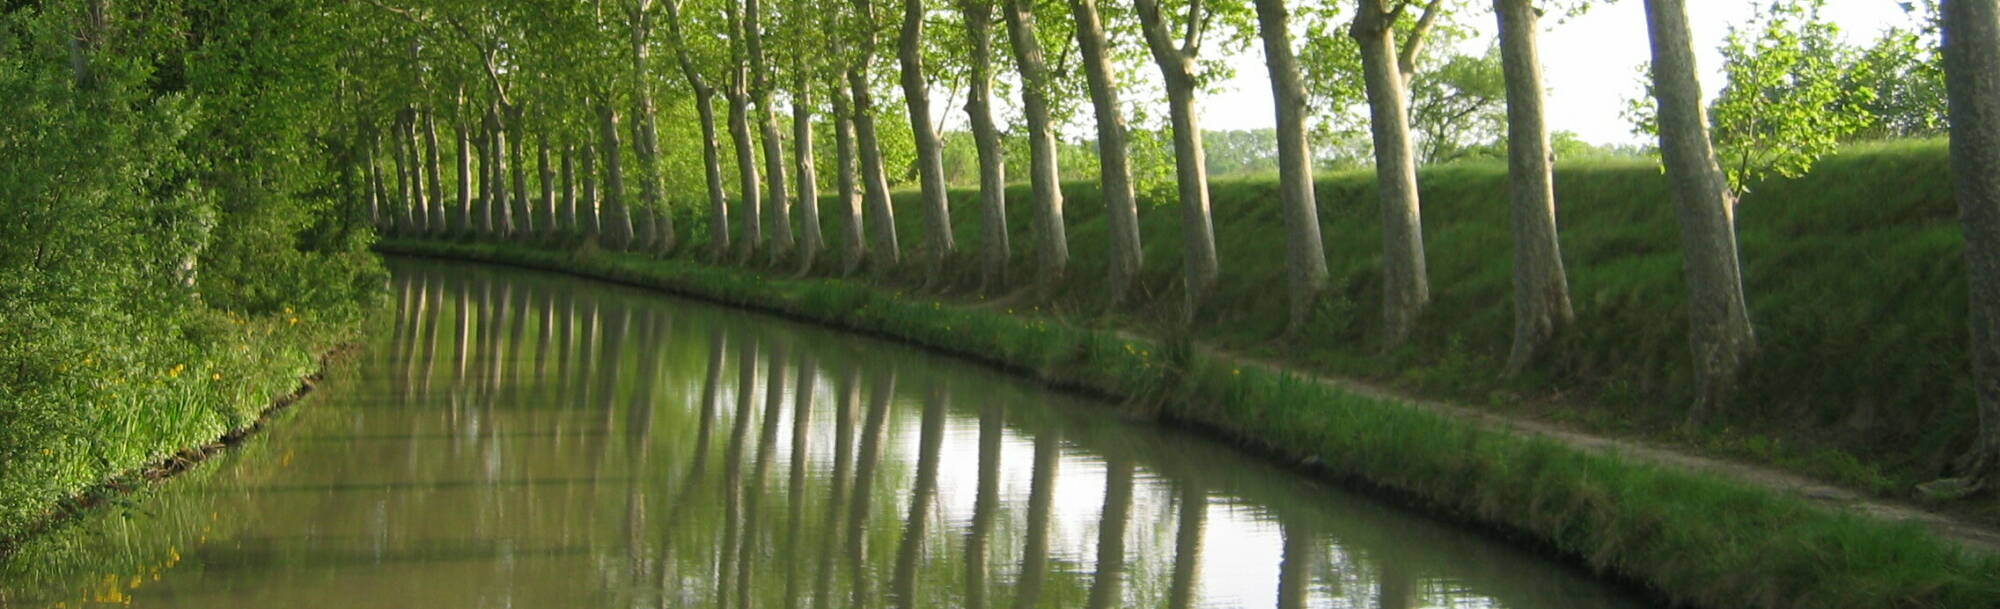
(517,439)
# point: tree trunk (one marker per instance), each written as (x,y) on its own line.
(376,217)
(496,149)
(434,176)
(566,212)
(854,246)
(589,216)
(746,176)
(545,176)
(1541,289)
(1971,58)
(462,217)
(646,143)
(1198,261)
(1305,256)
(406,188)
(1405,290)
(1718,320)
(711,163)
(1035,86)
(1121,209)
(938,241)
(994,249)
(482,204)
(810,240)
(875,177)
(524,215)
(614,219)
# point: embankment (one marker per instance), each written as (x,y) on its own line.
(1693,539)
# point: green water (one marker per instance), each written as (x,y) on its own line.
(516,439)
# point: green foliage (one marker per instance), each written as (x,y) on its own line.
(177,249)
(1787,103)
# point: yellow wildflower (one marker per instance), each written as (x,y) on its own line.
(175,372)
(215,376)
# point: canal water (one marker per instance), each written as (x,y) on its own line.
(517,439)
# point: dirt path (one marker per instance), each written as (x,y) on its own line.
(1968,534)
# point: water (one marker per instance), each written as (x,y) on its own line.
(529,440)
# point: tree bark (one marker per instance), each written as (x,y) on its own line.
(1405,289)
(994,250)
(938,241)
(566,213)
(1053,246)
(711,162)
(614,219)
(1718,320)
(496,150)
(482,203)
(545,211)
(589,216)
(1121,208)
(462,217)
(810,239)
(1305,256)
(1541,288)
(646,142)
(746,176)
(406,188)
(376,193)
(711,158)
(854,245)
(875,177)
(434,177)
(1198,262)
(1971,58)
(524,215)
(776,195)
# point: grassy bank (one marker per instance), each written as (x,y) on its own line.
(110,418)
(1692,539)
(1854,273)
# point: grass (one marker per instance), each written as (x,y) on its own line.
(107,416)
(1854,274)
(1692,539)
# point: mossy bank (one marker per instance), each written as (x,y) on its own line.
(1692,539)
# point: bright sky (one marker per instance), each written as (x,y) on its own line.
(1590,64)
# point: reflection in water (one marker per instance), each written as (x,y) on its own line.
(521,440)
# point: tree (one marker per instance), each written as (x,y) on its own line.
(1177,59)
(1053,242)
(1971,57)
(1541,288)
(868,145)
(930,163)
(645,135)
(1121,210)
(1387,70)
(711,158)
(1718,320)
(1789,100)
(1459,108)
(994,249)
(775,197)
(1305,255)
(738,95)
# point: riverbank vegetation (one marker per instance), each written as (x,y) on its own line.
(176,254)
(1641,523)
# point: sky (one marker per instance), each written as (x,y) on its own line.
(1590,63)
